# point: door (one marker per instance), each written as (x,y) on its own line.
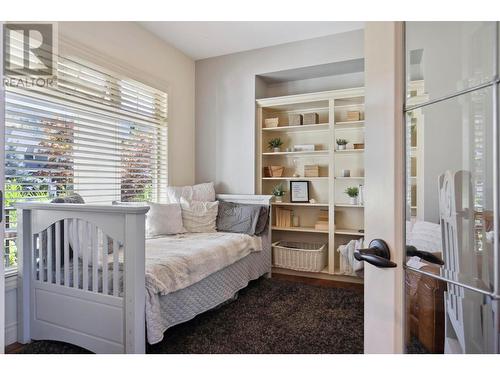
(384,166)
(451,219)
(432,187)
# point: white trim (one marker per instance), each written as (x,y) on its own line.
(311,97)
(2,184)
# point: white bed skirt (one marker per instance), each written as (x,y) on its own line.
(183,305)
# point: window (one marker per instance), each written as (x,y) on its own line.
(96,134)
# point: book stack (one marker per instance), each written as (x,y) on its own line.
(311,170)
(353,116)
(322,222)
(283,217)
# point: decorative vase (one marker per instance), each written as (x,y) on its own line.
(341,147)
(276,149)
(278,198)
(353,201)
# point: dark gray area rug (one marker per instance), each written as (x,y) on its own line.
(269,316)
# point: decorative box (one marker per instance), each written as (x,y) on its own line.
(310,118)
(311,170)
(271,122)
(353,116)
(304,147)
(295,119)
(274,171)
(359,146)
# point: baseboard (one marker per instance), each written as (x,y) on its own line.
(11,333)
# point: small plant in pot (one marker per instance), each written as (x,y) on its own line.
(275,144)
(278,193)
(353,193)
(341,143)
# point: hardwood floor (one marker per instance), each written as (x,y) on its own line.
(320,282)
(13,348)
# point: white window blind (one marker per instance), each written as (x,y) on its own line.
(96,134)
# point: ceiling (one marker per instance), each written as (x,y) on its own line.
(201,40)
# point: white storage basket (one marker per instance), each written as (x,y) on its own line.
(300,256)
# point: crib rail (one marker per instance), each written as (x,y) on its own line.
(81,275)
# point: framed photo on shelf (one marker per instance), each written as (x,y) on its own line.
(299,191)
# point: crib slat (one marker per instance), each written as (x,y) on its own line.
(66,252)
(50,248)
(103,241)
(76,244)
(115,268)
(95,252)
(58,253)
(85,255)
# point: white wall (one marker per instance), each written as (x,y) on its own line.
(304,86)
(137,53)
(225,103)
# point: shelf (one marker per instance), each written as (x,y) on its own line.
(350,151)
(349,127)
(350,178)
(299,229)
(295,178)
(349,205)
(297,153)
(349,232)
(341,123)
(299,128)
(299,204)
(348,105)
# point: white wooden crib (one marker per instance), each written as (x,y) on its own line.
(66,294)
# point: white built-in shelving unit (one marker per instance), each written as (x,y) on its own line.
(346,221)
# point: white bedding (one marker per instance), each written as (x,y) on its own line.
(176,262)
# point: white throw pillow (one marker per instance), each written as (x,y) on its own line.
(163,219)
(199,217)
(201,192)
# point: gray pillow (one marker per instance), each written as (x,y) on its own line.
(238,218)
(263,220)
(71,198)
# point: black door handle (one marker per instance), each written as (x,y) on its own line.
(412,251)
(377,254)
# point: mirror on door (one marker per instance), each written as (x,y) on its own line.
(450,121)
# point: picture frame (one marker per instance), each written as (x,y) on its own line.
(299,191)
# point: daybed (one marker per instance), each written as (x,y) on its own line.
(127,285)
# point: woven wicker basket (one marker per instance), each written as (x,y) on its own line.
(300,256)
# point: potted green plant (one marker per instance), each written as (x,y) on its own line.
(275,144)
(278,193)
(342,143)
(353,193)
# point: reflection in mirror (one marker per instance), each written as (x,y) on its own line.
(450,56)
(449,188)
(449,222)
